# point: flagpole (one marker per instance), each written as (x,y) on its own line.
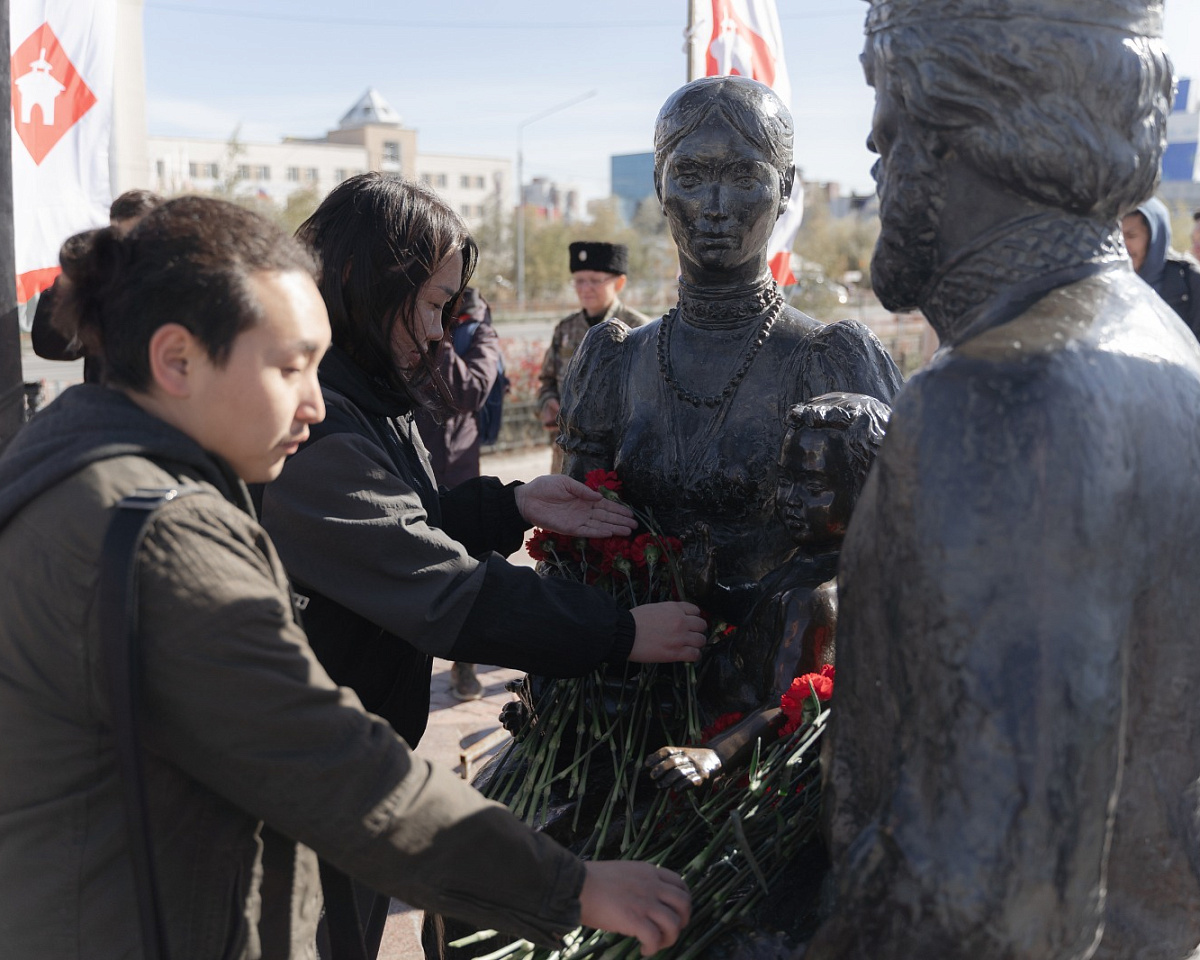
(694,43)
(12,393)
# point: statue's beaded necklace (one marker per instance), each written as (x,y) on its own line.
(720,310)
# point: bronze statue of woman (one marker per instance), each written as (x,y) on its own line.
(689,409)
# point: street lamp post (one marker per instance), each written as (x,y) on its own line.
(521,188)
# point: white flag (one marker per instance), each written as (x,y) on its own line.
(63,57)
(743,37)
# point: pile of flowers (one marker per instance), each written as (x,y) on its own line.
(730,839)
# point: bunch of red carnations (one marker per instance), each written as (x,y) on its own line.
(635,570)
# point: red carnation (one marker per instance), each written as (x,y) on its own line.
(646,549)
(722,723)
(536,544)
(799,695)
(614,552)
(603,480)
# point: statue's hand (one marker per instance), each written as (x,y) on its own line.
(514,716)
(683,766)
(698,562)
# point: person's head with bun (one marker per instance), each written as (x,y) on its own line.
(207,316)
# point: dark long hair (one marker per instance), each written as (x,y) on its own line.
(188,261)
(379,239)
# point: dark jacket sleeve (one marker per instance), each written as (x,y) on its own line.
(543,625)
(236,699)
(482,515)
(346,525)
(1191,305)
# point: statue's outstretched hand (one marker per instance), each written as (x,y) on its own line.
(672,767)
(556,502)
(635,899)
(668,632)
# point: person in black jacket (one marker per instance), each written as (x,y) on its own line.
(393,569)
(1174,277)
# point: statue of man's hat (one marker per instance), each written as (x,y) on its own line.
(604,257)
(1136,17)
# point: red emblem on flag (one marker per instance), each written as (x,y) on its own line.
(48,94)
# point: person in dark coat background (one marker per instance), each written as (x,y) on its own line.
(453,440)
(1174,277)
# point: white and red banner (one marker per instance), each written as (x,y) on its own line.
(743,37)
(63,58)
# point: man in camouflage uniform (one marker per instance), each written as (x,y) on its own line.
(598,274)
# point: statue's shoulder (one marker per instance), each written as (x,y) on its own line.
(824,336)
(614,338)
(630,317)
(840,356)
(1079,325)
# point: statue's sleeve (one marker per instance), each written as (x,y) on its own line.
(847,357)
(985,601)
(592,394)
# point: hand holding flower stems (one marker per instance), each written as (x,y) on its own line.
(556,502)
(668,633)
(637,900)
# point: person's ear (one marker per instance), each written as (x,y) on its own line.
(172,354)
(619,283)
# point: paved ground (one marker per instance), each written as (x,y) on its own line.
(450,721)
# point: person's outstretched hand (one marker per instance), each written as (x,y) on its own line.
(556,502)
(667,632)
(636,899)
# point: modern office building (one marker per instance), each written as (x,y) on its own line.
(1181,160)
(632,181)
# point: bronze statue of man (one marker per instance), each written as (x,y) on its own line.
(1013,766)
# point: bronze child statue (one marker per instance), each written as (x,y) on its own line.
(829,445)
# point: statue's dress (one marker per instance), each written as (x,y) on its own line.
(713,464)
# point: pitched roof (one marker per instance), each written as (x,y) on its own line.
(370,108)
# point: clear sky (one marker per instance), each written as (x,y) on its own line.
(466,73)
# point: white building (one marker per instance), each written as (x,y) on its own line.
(474,186)
(370,136)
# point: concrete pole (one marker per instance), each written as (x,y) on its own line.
(12,391)
(521,189)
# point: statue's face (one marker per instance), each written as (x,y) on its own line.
(911,183)
(721,195)
(814,495)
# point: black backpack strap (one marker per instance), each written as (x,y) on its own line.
(119,651)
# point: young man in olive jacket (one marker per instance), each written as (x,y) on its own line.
(211,329)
